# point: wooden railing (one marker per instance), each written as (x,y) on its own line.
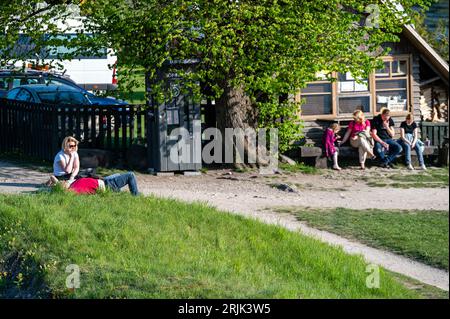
(435,132)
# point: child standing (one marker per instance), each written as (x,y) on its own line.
(328,141)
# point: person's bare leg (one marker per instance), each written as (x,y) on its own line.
(53,180)
(335,162)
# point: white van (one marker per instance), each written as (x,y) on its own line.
(93,73)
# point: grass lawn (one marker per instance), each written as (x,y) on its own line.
(138,94)
(132,247)
(421,235)
(299,168)
(432,178)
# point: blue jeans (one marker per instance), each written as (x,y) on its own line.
(117,181)
(394,150)
(407,149)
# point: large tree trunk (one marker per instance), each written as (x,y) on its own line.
(234,109)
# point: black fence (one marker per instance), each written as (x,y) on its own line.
(37,130)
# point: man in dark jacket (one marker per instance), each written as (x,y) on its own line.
(383,133)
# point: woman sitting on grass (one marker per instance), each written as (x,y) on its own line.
(409,139)
(66,164)
(359,133)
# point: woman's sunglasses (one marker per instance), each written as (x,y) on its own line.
(72,146)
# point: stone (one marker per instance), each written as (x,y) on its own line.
(192,173)
(285,188)
(93,158)
(165,174)
(287,160)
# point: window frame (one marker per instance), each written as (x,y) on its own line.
(407,77)
(298,98)
(372,79)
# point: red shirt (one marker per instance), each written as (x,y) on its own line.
(356,127)
(85,185)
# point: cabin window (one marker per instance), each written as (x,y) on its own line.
(352,94)
(392,84)
(385,87)
(317,99)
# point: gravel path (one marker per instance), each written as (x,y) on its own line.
(252,195)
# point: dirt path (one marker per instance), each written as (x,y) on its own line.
(254,196)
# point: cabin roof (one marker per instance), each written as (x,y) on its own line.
(430,55)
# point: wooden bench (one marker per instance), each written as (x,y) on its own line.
(313,155)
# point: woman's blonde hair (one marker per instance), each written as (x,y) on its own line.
(67,140)
(358,116)
(335,126)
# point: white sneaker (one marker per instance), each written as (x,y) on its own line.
(423,167)
(410,167)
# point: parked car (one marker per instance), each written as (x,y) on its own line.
(11,79)
(59,94)
(51,93)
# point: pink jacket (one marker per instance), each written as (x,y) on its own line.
(328,140)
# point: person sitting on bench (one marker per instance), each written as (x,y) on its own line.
(409,140)
(358,132)
(90,185)
(383,132)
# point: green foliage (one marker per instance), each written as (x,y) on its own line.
(283,116)
(29,29)
(271,46)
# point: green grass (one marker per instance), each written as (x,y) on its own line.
(427,291)
(138,94)
(432,178)
(299,168)
(421,235)
(134,247)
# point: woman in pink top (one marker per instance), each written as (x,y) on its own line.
(359,134)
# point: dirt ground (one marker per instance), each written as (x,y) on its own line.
(254,195)
(250,192)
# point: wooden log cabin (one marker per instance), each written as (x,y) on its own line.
(412,73)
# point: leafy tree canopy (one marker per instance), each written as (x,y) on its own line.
(268,45)
(29,27)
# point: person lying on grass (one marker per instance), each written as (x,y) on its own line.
(90,185)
